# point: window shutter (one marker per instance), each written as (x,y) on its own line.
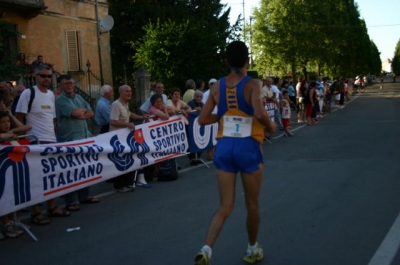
(72,37)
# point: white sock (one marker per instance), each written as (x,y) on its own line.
(252,247)
(207,249)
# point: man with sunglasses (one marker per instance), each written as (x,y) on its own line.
(41,117)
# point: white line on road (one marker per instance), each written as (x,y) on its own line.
(389,246)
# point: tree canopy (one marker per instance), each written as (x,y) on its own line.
(396,59)
(174,40)
(301,36)
(9,52)
(180,39)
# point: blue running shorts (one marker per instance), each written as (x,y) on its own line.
(238,155)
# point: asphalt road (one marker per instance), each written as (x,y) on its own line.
(330,196)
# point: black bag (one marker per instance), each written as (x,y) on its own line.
(168,170)
(151,172)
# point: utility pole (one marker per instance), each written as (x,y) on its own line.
(98,40)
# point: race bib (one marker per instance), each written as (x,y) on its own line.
(237,126)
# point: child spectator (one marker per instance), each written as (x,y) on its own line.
(286,112)
(8,121)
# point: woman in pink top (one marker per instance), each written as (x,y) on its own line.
(157,107)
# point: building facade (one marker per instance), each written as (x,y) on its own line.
(64,32)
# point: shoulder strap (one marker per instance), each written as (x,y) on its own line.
(31,98)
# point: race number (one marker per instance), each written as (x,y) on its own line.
(237,126)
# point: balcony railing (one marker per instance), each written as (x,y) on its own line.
(28,8)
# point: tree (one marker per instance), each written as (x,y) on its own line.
(309,35)
(375,60)
(8,52)
(396,59)
(143,24)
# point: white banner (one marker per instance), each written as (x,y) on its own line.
(30,174)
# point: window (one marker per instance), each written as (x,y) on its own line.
(73,51)
(8,42)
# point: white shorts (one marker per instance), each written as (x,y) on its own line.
(337,97)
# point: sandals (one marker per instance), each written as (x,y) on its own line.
(39,219)
(57,212)
(72,208)
(90,201)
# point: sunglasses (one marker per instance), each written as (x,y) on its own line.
(44,76)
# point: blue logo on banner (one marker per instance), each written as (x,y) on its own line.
(200,137)
(122,159)
(14,157)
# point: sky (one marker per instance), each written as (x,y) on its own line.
(381,16)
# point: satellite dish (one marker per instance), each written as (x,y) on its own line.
(106,23)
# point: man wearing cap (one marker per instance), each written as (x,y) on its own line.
(207,93)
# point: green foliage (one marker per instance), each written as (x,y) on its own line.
(174,52)
(253,73)
(301,36)
(191,48)
(396,59)
(375,60)
(8,52)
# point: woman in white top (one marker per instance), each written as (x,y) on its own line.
(175,105)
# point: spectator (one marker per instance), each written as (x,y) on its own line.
(103,108)
(158,108)
(292,95)
(301,90)
(276,97)
(41,118)
(320,97)
(7,90)
(285,87)
(200,85)
(310,101)
(189,94)
(268,95)
(10,127)
(286,113)
(176,105)
(267,89)
(158,89)
(327,98)
(37,63)
(196,103)
(72,115)
(120,116)
(337,91)
(207,93)
(347,83)
(16,95)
